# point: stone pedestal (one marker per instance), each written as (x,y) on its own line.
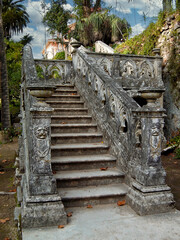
(150,200)
(41,205)
(149,193)
(42,210)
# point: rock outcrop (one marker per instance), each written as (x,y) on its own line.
(169,43)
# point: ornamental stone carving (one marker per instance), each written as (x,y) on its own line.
(41,132)
(112,106)
(155,143)
(121,115)
(138,133)
(146,70)
(105,64)
(42,141)
(128,69)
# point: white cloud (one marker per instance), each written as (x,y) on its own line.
(149,7)
(137,29)
(67,7)
(35,28)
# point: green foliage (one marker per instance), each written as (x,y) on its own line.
(13,56)
(69,58)
(173,66)
(84,9)
(26,39)
(101,26)
(143,43)
(40,73)
(175,141)
(56,17)
(59,56)
(15,17)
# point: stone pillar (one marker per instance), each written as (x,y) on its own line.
(149,193)
(41,204)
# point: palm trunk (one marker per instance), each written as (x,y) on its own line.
(5,112)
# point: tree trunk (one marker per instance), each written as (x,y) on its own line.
(97,5)
(167,5)
(5,112)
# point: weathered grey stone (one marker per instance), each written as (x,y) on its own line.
(150,200)
(41,206)
(101,47)
(43,214)
(128,126)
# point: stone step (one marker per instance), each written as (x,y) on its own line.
(66,104)
(59,97)
(65,87)
(70,111)
(71,119)
(74,128)
(70,92)
(93,195)
(60,138)
(83,162)
(78,149)
(92,177)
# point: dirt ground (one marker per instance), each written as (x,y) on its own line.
(8,229)
(172,167)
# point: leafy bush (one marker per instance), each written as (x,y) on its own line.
(175,141)
(59,56)
(143,43)
(14,62)
(101,26)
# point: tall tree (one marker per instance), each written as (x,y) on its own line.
(101,26)
(26,39)
(5,112)
(56,17)
(84,8)
(15,17)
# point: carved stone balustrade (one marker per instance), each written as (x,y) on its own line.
(111,86)
(57,71)
(41,205)
(101,47)
(132,72)
(135,132)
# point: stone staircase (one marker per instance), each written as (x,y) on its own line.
(85,171)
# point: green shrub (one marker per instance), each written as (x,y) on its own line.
(59,56)
(175,141)
(143,43)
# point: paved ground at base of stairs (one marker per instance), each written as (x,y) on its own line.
(110,222)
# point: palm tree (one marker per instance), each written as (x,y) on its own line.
(101,26)
(5,113)
(15,17)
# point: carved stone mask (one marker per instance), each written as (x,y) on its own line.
(155,129)
(41,132)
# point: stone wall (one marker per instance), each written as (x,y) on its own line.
(170,51)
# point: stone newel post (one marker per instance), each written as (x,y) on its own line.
(41,205)
(149,193)
(150,172)
(41,178)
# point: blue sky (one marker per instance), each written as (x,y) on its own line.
(133,12)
